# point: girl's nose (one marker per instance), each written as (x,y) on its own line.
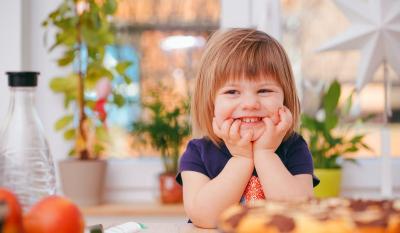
(250,102)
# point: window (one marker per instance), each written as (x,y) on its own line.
(309,24)
(164,39)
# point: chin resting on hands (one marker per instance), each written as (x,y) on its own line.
(229,132)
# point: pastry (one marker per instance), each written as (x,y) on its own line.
(330,215)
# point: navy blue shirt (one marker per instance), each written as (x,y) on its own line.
(203,156)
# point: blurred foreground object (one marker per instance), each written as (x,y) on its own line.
(317,216)
(26,165)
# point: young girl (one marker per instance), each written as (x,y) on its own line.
(245,110)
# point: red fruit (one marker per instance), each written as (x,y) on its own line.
(13,219)
(54,214)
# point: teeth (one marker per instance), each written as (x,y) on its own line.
(250,119)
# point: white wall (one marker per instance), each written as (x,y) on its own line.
(264,15)
(363,178)
(10,46)
(235,13)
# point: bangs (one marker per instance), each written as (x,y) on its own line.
(250,62)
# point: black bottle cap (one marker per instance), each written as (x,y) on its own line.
(22,79)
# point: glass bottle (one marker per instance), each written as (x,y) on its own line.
(26,165)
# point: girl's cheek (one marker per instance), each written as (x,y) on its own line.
(218,118)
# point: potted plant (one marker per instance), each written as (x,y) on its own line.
(83,31)
(328,137)
(165,128)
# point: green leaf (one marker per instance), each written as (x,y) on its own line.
(110,6)
(102,134)
(366,146)
(69,134)
(67,59)
(64,84)
(331,121)
(71,152)
(68,99)
(308,122)
(119,100)
(45,23)
(347,105)
(58,84)
(127,79)
(357,138)
(63,122)
(368,117)
(55,45)
(90,103)
(331,98)
(122,66)
(98,148)
(351,149)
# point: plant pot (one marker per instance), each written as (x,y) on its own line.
(83,180)
(330,182)
(170,190)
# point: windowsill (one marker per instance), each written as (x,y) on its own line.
(134,209)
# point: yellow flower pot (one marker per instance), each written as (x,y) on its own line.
(330,182)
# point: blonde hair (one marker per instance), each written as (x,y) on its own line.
(235,54)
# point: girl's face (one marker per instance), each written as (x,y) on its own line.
(249,102)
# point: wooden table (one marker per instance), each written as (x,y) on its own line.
(135,209)
(175,228)
(156,217)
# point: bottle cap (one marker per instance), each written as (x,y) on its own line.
(22,79)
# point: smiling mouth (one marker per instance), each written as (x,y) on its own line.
(249,119)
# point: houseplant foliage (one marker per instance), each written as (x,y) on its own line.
(328,136)
(166,127)
(83,31)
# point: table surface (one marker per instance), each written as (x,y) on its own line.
(134,209)
(175,228)
(156,217)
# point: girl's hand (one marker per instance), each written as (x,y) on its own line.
(229,132)
(274,133)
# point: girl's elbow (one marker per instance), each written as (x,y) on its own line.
(207,224)
(202,219)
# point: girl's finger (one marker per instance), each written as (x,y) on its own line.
(286,120)
(269,124)
(277,117)
(288,114)
(234,130)
(246,138)
(226,125)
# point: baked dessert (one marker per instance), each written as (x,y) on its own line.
(331,215)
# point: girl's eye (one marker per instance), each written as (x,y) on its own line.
(265,91)
(231,92)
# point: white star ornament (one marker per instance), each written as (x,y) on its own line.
(375,30)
